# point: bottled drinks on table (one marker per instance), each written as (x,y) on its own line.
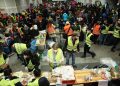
(58,83)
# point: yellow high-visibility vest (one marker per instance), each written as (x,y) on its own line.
(8,82)
(2,60)
(58,56)
(116,33)
(70,45)
(20,47)
(34,83)
(30,65)
(105,31)
(88,41)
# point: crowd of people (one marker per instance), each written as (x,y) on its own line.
(91,23)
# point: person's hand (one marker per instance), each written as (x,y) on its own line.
(4,66)
(24,83)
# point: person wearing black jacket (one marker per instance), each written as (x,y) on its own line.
(88,43)
(31,61)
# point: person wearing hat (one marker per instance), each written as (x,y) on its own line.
(55,56)
(88,42)
(72,48)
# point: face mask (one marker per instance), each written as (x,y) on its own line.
(55,51)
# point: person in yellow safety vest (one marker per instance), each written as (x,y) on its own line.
(39,80)
(55,56)
(37,75)
(116,35)
(8,79)
(3,63)
(72,48)
(88,42)
(13,18)
(104,33)
(19,49)
(32,61)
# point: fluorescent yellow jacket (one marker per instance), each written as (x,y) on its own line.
(20,47)
(34,83)
(116,33)
(8,82)
(30,65)
(70,45)
(105,31)
(58,57)
(88,41)
(2,60)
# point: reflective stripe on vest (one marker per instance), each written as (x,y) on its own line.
(88,41)
(20,47)
(30,65)
(58,56)
(70,45)
(105,31)
(2,61)
(116,34)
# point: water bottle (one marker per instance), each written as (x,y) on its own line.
(58,83)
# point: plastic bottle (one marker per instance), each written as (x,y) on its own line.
(58,83)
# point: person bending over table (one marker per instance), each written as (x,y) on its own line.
(31,61)
(55,56)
